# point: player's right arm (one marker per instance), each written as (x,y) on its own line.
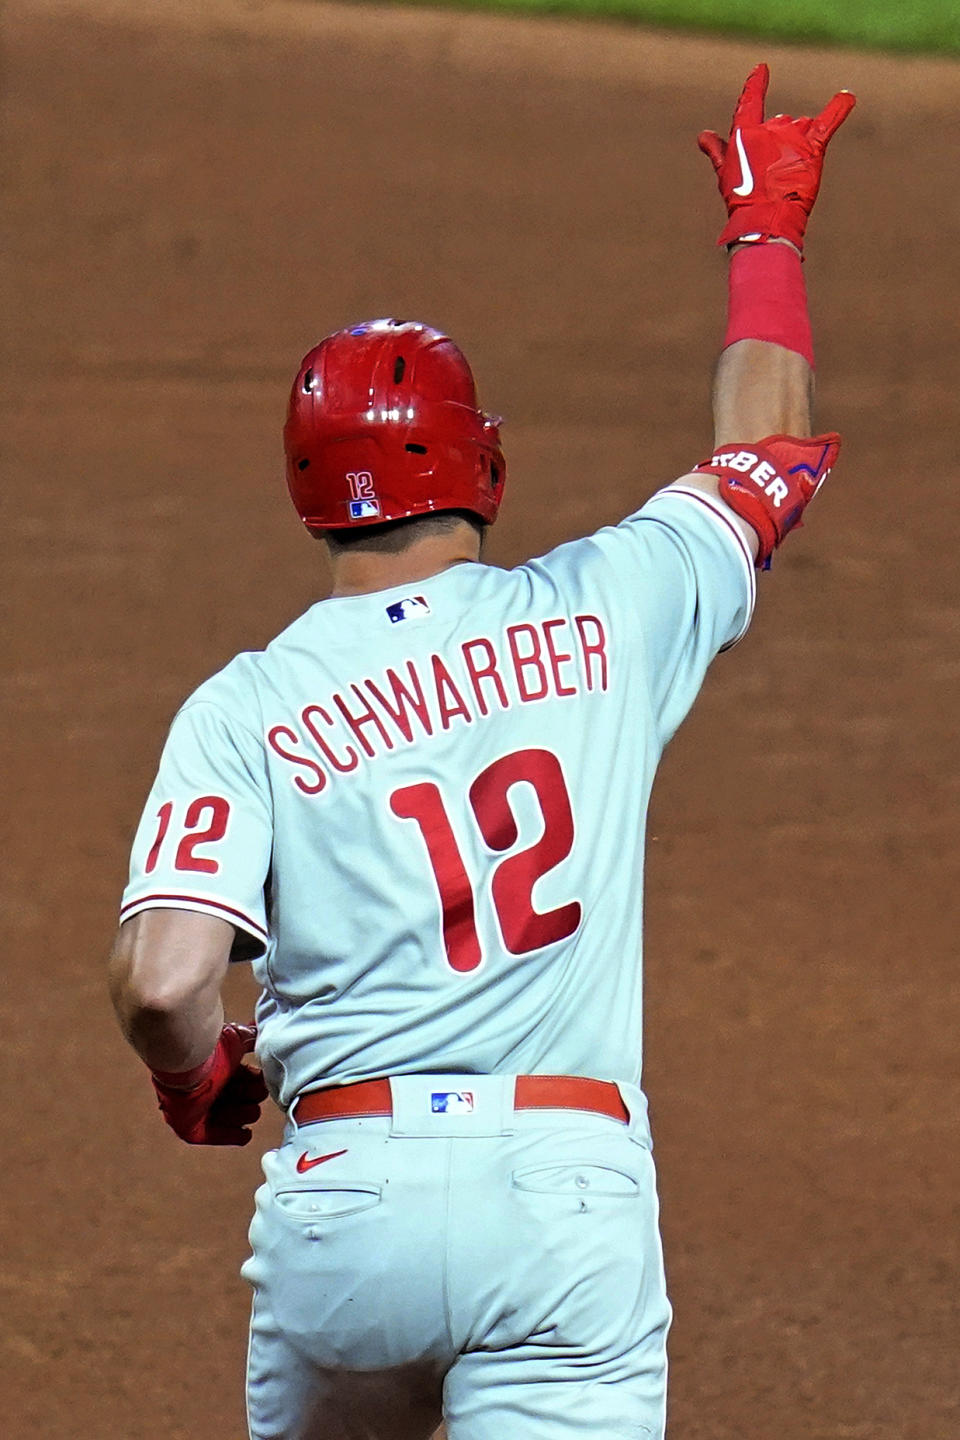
(761,388)
(686,562)
(769,175)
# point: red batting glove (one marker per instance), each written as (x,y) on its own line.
(769,170)
(212,1104)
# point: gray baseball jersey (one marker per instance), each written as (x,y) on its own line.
(423,809)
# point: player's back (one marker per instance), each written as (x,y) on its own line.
(443,864)
(451,782)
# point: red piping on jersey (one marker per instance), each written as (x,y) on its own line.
(717,513)
(144,901)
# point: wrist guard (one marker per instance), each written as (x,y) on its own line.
(770,482)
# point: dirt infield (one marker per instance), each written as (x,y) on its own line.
(191,197)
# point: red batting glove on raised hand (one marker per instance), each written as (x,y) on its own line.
(212,1104)
(769,170)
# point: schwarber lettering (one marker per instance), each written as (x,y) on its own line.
(550,660)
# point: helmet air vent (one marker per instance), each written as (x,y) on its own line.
(416,449)
(308,380)
(398,369)
(302,464)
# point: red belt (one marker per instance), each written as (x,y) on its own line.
(533,1092)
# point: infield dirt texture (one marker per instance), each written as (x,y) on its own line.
(191,201)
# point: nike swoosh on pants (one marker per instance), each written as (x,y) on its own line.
(305,1163)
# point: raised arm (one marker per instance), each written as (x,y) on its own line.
(766,466)
(760,388)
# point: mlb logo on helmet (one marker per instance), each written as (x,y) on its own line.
(364,509)
(451,1102)
(407,608)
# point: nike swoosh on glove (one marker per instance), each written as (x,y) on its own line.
(769,171)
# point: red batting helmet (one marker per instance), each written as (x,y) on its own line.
(383,423)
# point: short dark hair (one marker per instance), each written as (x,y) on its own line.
(395,535)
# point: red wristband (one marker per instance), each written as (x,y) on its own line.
(768,299)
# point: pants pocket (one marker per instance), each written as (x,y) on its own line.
(327,1202)
(587,1178)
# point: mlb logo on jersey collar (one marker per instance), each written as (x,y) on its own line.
(409,608)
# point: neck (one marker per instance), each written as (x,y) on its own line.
(363,572)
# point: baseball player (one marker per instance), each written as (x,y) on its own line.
(420,813)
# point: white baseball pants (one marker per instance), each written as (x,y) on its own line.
(499,1269)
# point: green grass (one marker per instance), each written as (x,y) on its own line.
(919,25)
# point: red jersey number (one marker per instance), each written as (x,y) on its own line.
(523,928)
(204,823)
(424,804)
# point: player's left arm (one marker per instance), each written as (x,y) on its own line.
(166,970)
(194,900)
(165,974)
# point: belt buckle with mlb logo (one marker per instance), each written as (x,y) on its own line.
(451,1102)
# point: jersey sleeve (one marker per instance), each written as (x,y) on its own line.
(686,578)
(205,839)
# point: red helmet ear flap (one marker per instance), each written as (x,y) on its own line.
(383,423)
